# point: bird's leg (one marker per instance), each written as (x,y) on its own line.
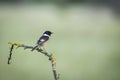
(39,47)
(44,48)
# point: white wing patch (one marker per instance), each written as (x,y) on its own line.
(42,40)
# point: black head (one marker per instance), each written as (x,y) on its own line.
(48,33)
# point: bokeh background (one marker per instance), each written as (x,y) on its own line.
(86,39)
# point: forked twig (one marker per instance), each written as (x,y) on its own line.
(51,57)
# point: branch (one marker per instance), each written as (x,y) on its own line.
(10,55)
(51,57)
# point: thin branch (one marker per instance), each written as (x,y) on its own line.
(10,55)
(51,57)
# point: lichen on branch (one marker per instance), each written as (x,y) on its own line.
(51,57)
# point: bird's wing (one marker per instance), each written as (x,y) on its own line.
(42,40)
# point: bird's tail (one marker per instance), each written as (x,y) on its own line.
(34,47)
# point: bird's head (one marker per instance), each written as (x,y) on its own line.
(48,33)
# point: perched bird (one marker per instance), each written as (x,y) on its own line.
(43,39)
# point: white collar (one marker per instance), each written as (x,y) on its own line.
(46,35)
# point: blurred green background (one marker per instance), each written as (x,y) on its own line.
(86,40)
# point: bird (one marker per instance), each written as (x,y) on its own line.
(43,39)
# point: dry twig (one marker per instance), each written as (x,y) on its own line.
(51,57)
